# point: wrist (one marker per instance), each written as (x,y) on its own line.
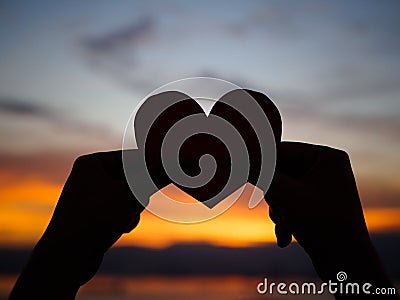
(341,248)
(53,272)
(75,260)
(357,258)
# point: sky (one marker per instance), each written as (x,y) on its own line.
(71,73)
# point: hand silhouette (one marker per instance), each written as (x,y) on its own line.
(95,208)
(314,197)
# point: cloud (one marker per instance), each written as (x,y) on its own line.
(386,126)
(374,193)
(48,166)
(127,36)
(40,128)
(115,53)
(346,118)
(41,143)
(18,107)
(43,148)
(323,53)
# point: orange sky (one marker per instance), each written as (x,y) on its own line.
(26,208)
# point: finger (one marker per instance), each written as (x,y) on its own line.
(128,199)
(282,191)
(132,224)
(283,235)
(298,159)
(295,159)
(112,163)
(273,214)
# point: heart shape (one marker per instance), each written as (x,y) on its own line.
(207,149)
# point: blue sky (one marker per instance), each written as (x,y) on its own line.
(71,72)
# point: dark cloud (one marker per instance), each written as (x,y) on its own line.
(316,19)
(375,193)
(36,122)
(115,53)
(346,51)
(127,36)
(58,139)
(50,166)
(18,107)
(385,124)
(279,21)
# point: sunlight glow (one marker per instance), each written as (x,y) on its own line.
(25,211)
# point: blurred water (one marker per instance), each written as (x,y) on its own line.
(170,288)
(231,287)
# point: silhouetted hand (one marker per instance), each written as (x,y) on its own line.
(314,197)
(95,208)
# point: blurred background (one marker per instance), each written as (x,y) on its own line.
(71,73)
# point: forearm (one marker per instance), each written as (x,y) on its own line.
(357,258)
(56,270)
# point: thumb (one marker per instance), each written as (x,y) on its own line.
(282,233)
(282,191)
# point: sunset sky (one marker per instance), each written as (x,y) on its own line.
(71,73)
